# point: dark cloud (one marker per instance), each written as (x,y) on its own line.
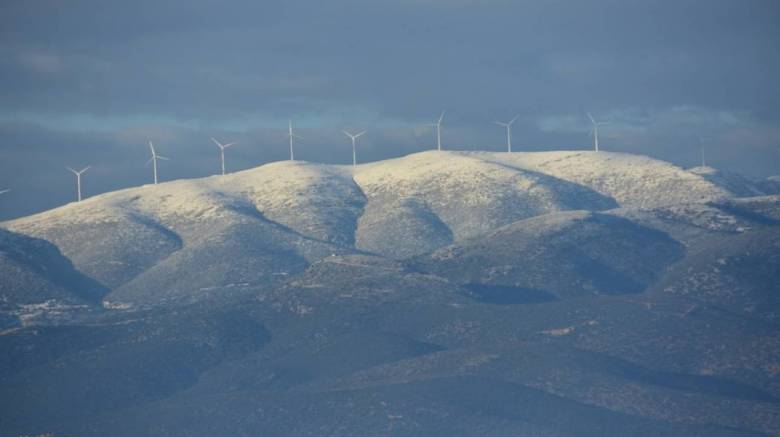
(94,80)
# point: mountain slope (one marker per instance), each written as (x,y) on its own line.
(186,240)
(33,270)
(559,255)
(735,183)
(738,275)
(471,195)
(632,180)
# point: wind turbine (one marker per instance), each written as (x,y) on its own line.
(293,135)
(354,137)
(508,126)
(154,159)
(78,179)
(595,130)
(222,148)
(437,125)
(701,146)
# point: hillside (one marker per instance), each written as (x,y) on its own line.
(258,226)
(466,293)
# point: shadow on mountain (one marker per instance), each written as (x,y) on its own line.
(602,276)
(567,254)
(507,295)
(78,372)
(703,384)
(34,270)
(744,211)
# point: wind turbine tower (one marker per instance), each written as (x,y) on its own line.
(222,148)
(354,138)
(437,125)
(78,180)
(595,130)
(293,135)
(701,147)
(154,159)
(508,126)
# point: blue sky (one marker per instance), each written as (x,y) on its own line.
(90,82)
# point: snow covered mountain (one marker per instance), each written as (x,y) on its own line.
(178,240)
(442,292)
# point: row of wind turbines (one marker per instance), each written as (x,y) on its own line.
(353,136)
(508,126)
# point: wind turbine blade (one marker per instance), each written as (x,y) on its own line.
(228,145)
(441,118)
(85,169)
(5,191)
(216,142)
(592,120)
(163,158)
(513,119)
(500,123)
(297,136)
(71,170)
(149,161)
(151,147)
(347,133)
(360,134)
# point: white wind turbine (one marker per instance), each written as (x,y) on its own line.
(293,135)
(595,130)
(354,138)
(437,125)
(701,146)
(154,159)
(222,148)
(78,180)
(508,126)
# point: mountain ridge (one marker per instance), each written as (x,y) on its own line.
(280,217)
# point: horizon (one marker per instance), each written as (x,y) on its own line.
(348,166)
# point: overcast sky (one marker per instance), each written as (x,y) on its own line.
(90,82)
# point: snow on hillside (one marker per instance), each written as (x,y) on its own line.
(735,183)
(319,201)
(401,228)
(632,180)
(249,228)
(472,195)
(184,238)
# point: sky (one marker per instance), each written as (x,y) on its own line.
(91,82)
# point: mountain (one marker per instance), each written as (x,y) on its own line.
(559,255)
(184,240)
(770,185)
(467,293)
(37,278)
(632,180)
(735,183)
